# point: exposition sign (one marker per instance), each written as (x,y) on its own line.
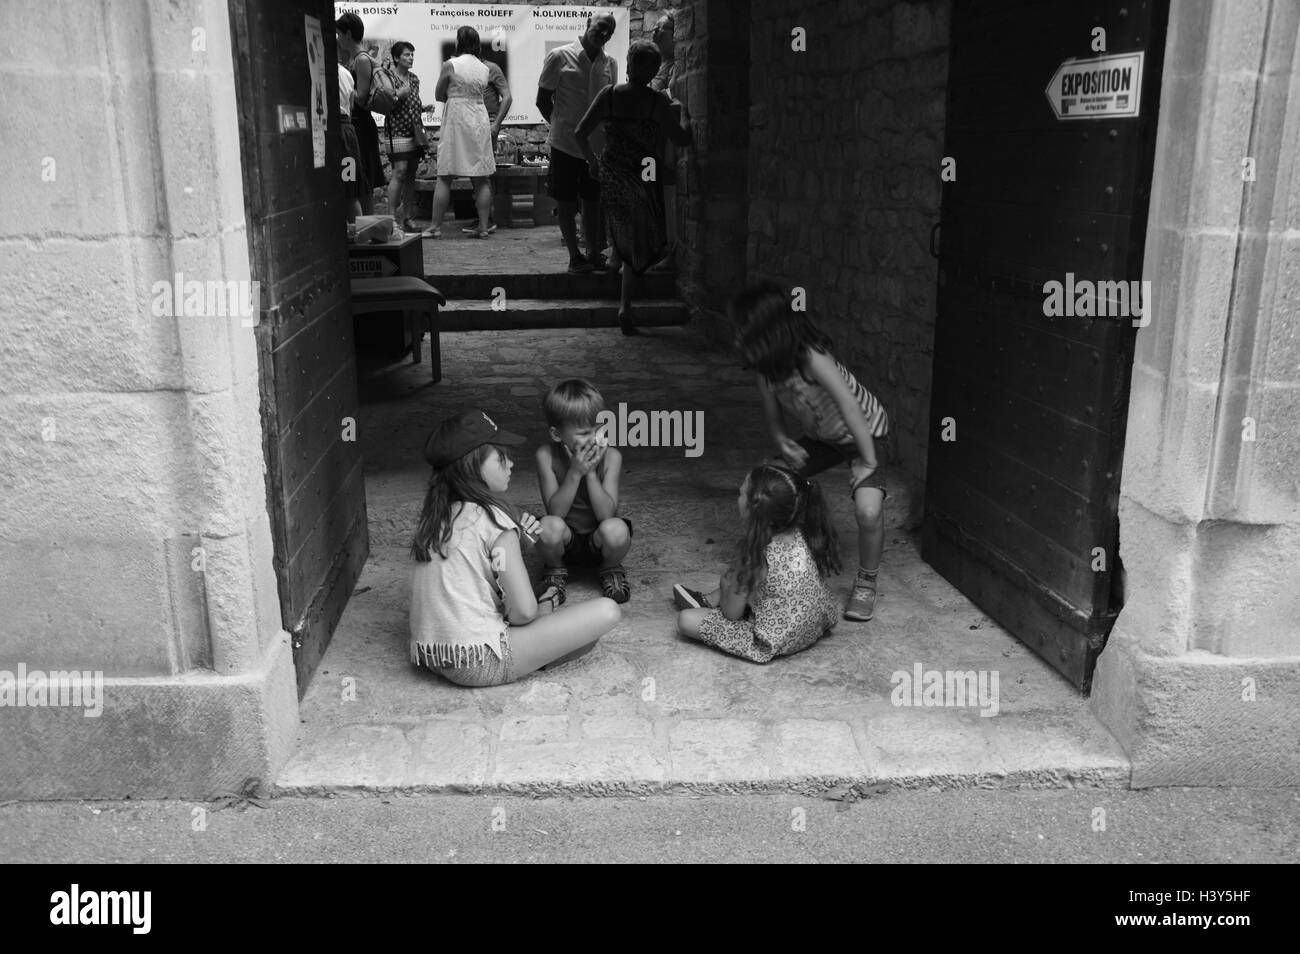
(515,37)
(1103,87)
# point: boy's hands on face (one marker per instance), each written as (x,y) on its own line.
(582,459)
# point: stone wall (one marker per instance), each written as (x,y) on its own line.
(134,537)
(846,143)
(712,191)
(1200,680)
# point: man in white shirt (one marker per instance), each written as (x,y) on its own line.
(571,77)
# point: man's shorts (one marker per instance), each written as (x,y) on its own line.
(582,550)
(569,179)
(823,456)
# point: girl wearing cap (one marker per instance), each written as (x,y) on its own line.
(474,618)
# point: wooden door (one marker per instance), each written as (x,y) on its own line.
(307,366)
(1028,410)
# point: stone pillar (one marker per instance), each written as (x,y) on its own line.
(1200,680)
(713,75)
(134,537)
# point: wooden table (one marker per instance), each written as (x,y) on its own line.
(519,198)
(393,333)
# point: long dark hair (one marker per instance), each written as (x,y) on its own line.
(450,488)
(772,337)
(778,499)
(467,41)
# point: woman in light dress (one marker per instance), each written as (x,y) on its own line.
(465,145)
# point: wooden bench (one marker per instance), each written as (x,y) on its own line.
(408,294)
(519,198)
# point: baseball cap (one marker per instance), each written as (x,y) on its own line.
(460,434)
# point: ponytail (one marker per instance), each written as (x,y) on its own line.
(819,531)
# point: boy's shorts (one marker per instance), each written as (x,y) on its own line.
(569,179)
(582,550)
(823,456)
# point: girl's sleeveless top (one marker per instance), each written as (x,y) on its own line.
(814,408)
(458,611)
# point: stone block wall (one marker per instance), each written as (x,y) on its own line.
(713,81)
(846,140)
(134,537)
(1199,680)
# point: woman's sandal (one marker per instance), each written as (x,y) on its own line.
(431,233)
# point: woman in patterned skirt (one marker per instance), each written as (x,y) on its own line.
(637,121)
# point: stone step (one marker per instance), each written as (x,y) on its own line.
(533,313)
(557,284)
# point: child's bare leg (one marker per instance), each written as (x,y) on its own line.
(558,634)
(868,507)
(613,539)
(555,536)
(688,621)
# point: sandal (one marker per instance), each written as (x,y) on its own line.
(614,585)
(431,233)
(557,578)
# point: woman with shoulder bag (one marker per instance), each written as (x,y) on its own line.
(406,138)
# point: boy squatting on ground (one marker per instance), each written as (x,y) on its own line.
(578,473)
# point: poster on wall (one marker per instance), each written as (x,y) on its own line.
(515,37)
(316,67)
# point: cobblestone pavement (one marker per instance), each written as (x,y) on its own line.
(515,251)
(648,710)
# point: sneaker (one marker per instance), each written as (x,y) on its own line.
(862,601)
(613,584)
(685,598)
(554,576)
(579,266)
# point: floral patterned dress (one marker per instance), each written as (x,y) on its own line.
(791,610)
(400,132)
(633,207)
